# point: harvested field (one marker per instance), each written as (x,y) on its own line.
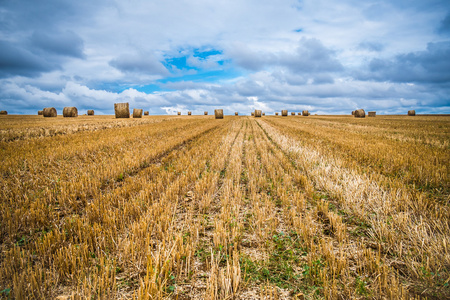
(324,207)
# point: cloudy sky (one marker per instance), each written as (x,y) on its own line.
(327,56)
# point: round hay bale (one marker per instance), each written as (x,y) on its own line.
(353,112)
(276,114)
(218,113)
(70,112)
(371,113)
(189,113)
(292,113)
(3,112)
(299,114)
(236,114)
(411,112)
(179,113)
(49,112)
(253,114)
(137,112)
(305,113)
(90,112)
(206,113)
(145,113)
(122,110)
(284,113)
(40,112)
(360,113)
(263,114)
(258,113)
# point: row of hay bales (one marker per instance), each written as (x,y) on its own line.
(284,113)
(122,110)
(68,112)
(360,113)
(217,113)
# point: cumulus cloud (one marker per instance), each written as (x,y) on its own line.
(311,56)
(429,66)
(139,63)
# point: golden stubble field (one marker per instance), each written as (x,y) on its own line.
(170,207)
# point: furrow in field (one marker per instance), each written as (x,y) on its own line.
(190,228)
(208,192)
(405,237)
(224,240)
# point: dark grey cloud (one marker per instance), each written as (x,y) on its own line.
(25,15)
(429,66)
(17,61)
(139,63)
(311,56)
(444,27)
(65,43)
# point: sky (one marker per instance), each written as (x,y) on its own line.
(164,56)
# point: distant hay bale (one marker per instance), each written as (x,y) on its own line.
(179,113)
(253,113)
(360,113)
(70,112)
(411,112)
(218,113)
(305,113)
(236,114)
(292,113)
(122,110)
(276,114)
(189,113)
(258,113)
(90,112)
(137,112)
(49,112)
(3,112)
(299,114)
(263,114)
(146,113)
(40,112)
(284,113)
(206,113)
(371,113)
